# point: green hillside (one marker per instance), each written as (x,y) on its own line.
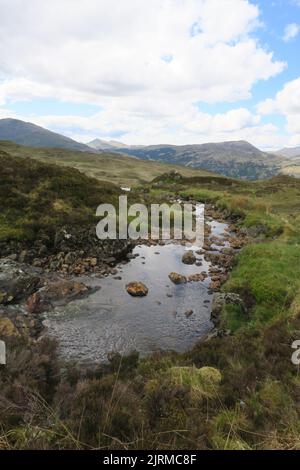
(119,169)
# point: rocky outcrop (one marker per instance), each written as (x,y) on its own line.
(222,299)
(17,281)
(55,293)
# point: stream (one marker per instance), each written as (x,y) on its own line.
(110,320)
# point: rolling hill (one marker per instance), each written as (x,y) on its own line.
(289,152)
(237,159)
(112,167)
(26,133)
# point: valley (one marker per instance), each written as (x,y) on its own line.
(241,307)
(125,164)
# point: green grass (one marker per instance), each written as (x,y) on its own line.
(118,169)
(269,275)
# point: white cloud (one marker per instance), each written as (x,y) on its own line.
(112,53)
(286,101)
(287,104)
(115,48)
(291,31)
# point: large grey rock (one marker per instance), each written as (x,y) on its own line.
(55,293)
(17,282)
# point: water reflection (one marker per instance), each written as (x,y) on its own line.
(112,320)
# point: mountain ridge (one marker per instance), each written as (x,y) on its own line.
(237,159)
(289,152)
(29,134)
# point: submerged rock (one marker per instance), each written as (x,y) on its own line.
(137,289)
(189,257)
(189,313)
(177,278)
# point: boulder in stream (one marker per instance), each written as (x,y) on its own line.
(177,278)
(189,257)
(137,289)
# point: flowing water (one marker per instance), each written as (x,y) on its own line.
(111,320)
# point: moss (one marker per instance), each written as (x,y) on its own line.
(273,396)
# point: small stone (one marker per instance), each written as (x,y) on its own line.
(189,257)
(215,285)
(189,313)
(177,278)
(137,289)
(196,278)
(93,262)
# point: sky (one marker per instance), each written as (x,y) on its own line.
(153,72)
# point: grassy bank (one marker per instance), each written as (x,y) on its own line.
(236,392)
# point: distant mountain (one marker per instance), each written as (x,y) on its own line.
(26,133)
(292,168)
(289,152)
(104,145)
(237,159)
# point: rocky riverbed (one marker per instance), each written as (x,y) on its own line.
(158,296)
